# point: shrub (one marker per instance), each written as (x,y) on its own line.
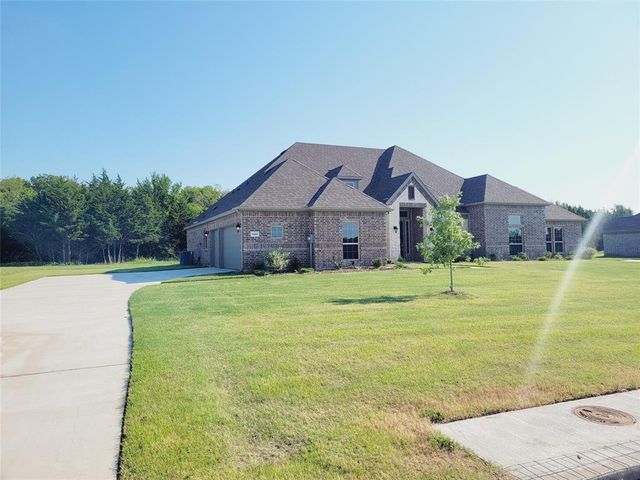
(400,260)
(519,257)
(276,260)
(260,273)
(257,266)
(401,265)
(548,255)
(305,270)
(588,253)
(389,261)
(481,261)
(294,264)
(337,263)
(493,257)
(558,256)
(434,415)
(543,258)
(378,262)
(568,256)
(443,442)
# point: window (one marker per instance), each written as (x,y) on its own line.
(277,231)
(411,191)
(351,183)
(515,219)
(549,240)
(350,240)
(515,240)
(404,213)
(558,241)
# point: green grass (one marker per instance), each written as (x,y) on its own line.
(330,375)
(15,275)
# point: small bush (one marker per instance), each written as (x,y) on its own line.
(400,260)
(493,257)
(443,442)
(389,261)
(378,262)
(543,258)
(481,261)
(567,256)
(433,415)
(276,260)
(558,256)
(260,273)
(401,265)
(294,264)
(336,262)
(257,266)
(588,253)
(306,270)
(520,257)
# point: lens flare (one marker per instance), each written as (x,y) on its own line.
(568,276)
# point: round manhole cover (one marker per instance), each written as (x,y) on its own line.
(604,415)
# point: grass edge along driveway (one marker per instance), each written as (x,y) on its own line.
(13,275)
(336,375)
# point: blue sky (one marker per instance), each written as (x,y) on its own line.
(542,95)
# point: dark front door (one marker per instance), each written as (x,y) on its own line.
(405,235)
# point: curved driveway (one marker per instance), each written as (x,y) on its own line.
(65,366)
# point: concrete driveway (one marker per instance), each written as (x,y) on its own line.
(65,367)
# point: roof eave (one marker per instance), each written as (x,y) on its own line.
(210,219)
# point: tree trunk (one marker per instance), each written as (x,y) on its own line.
(137,250)
(120,253)
(451,275)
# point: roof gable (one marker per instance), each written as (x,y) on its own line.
(334,194)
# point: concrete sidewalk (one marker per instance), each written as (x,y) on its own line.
(550,442)
(65,367)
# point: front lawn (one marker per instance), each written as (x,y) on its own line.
(10,276)
(329,375)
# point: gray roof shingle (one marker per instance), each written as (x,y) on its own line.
(488,189)
(629,224)
(556,213)
(305,176)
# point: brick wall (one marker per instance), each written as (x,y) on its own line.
(296,226)
(622,244)
(476,227)
(496,229)
(195,237)
(327,227)
(571,233)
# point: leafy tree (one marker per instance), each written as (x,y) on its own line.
(15,193)
(448,239)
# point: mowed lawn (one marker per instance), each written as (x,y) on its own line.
(11,276)
(328,375)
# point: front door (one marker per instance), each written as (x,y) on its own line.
(405,235)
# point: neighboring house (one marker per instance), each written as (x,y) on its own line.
(326,203)
(621,237)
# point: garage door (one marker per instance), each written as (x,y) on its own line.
(231,249)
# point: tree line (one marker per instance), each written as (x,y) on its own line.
(616,211)
(53,218)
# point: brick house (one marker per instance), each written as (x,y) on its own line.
(326,203)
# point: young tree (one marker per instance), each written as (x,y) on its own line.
(448,239)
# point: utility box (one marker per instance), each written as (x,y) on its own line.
(186,258)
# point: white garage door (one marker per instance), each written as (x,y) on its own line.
(231,257)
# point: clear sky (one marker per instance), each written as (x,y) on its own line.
(542,95)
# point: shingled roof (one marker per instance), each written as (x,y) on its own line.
(488,189)
(623,225)
(556,213)
(306,176)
